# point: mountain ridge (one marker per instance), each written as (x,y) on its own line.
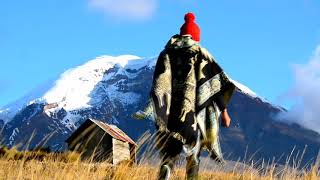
(111,89)
(49,95)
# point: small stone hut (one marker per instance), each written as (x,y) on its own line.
(102,142)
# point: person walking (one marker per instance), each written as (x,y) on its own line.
(189,93)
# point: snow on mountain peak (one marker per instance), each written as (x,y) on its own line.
(75,85)
(244,89)
(111,60)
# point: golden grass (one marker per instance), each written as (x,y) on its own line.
(48,169)
(42,165)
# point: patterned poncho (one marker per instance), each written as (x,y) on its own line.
(187,83)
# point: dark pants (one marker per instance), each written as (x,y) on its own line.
(170,148)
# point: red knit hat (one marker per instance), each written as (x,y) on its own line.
(190,27)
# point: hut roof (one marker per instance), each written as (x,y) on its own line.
(112,130)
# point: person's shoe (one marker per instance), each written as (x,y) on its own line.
(164,173)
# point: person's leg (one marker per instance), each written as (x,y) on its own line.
(192,168)
(193,162)
(166,167)
(170,151)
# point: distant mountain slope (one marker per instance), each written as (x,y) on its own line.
(112,88)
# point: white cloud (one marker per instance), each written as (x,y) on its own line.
(306,93)
(126,9)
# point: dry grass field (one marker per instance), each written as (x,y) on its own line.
(44,165)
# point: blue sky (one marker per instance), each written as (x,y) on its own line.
(256,42)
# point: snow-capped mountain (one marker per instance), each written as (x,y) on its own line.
(73,88)
(113,88)
(103,88)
